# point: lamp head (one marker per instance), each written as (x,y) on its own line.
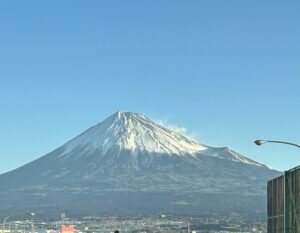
(260,142)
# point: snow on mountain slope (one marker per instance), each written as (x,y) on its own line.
(228,154)
(137,133)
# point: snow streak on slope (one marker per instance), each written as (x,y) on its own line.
(228,154)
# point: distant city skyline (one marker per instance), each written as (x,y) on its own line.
(223,72)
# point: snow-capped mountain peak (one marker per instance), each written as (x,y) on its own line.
(135,132)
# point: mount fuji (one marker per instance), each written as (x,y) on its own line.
(131,165)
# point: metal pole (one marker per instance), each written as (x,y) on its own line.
(188,225)
(4,221)
(289,143)
(284,203)
(187,222)
(3,224)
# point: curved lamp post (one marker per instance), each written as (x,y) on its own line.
(4,221)
(260,142)
(171,216)
(289,207)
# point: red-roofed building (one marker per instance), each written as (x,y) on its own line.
(66,229)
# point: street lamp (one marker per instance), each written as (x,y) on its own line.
(4,221)
(287,189)
(260,142)
(171,216)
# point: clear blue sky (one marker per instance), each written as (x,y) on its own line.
(228,71)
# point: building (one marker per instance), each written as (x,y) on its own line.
(284,203)
(66,229)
